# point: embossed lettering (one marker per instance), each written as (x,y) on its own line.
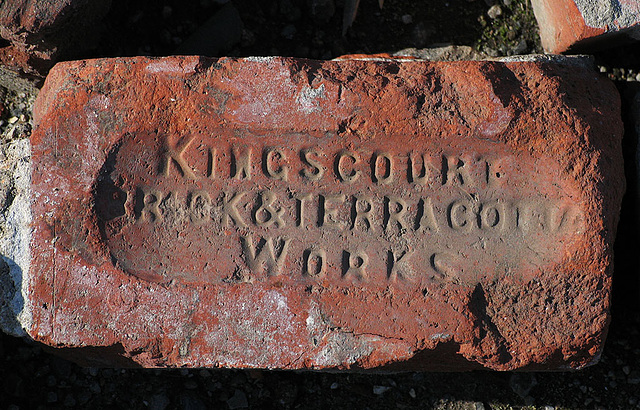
(362,212)
(426,217)
(199,204)
(564,218)
(147,207)
(273,160)
(266,214)
(317,169)
(443,264)
(314,262)
(492,215)
(274,256)
(382,168)
(328,215)
(398,266)
(301,199)
(230,211)
(460,215)
(420,174)
(173,153)
(241,163)
(455,170)
(355,265)
(395,210)
(345,174)
(494,171)
(212,156)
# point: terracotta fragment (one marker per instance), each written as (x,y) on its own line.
(295,214)
(40,32)
(585,24)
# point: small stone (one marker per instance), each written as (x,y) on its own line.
(494,11)
(159,402)
(51,380)
(238,400)
(407,19)
(12,120)
(380,390)
(166,12)
(95,388)
(69,401)
(521,47)
(412,393)
(479,405)
(626,370)
(52,397)
(334,386)
(84,397)
(190,384)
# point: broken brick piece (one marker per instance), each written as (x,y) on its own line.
(284,213)
(583,24)
(42,31)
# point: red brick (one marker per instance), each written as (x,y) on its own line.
(152,237)
(585,24)
(41,31)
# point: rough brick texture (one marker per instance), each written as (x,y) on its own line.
(584,24)
(283,213)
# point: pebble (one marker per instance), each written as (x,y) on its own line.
(52,397)
(380,390)
(412,393)
(159,402)
(190,384)
(407,19)
(494,11)
(69,401)
(521,47)
(95,388)
(238,400)
(51,380)
(334,386)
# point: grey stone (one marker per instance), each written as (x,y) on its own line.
(238,400)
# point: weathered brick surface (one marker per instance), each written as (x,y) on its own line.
(566,24)
(282,213)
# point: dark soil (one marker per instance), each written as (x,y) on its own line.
(32,377)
